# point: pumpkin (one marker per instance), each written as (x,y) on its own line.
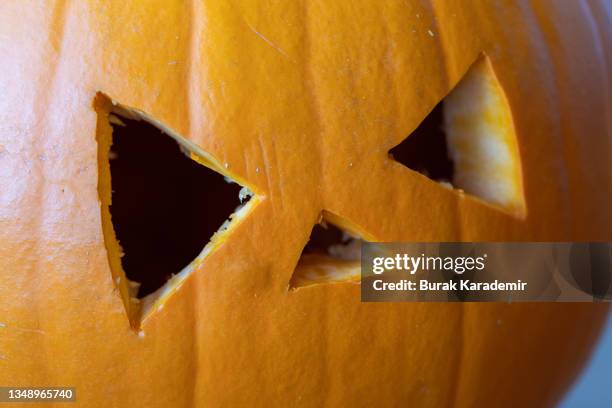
(300,103)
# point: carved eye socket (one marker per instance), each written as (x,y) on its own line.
(160,206)
(468,142)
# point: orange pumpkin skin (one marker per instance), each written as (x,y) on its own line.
(288,95)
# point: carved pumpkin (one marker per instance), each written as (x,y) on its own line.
(301,103)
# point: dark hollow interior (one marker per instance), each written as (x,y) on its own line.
(165,206)
(425,150)
(322,237)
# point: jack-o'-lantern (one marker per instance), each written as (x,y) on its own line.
(124,124)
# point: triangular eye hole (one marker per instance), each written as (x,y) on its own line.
(330,255)
(164,208)
(426,149)
(468,142)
